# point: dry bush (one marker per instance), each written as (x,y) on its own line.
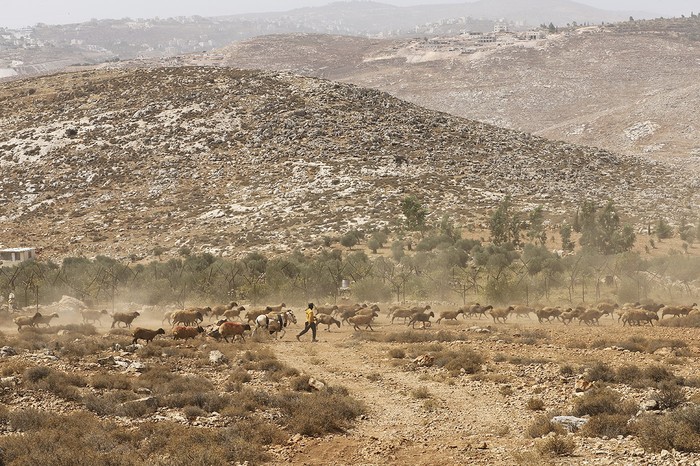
(81,438)
(300,384)
(543,425)
(527,361)
(535,404)
(109,381)
(236,378)
(318,413)
(505,390)
(576,344)
(533,336)
(556,445)
(397,353)
(530,458)
(59,383)
(264,360)
(193,412)
(687,321)
(679,347)
(247,402)
(638,344)
(566,370)
(669,395)
(599,371)
(606,425)
(162,381)
(421,393)
(679,430)
(602,401)
(410,336)
(459,361)
(104,405)
(431,405)
(13,367)
(208,401)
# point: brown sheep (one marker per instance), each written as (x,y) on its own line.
(187,317)
(402,313)
(356,321)
(145,334)
(182,332)
(124,317)
(478,309)
(232,329)
(345,314)
(637,316)
(365,311)
(607,308)
(590,317)
(250,316)
(500,315)
(567,316)
(547,313)
(29,321)
(450,315)
(328,320)
(218,311)
(522,311)
(236,312)
(276,309)
(421,317)
(676,311)
(328,310)
(41,319)
(652,307)
(93,316)
(346,308)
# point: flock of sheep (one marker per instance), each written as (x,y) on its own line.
(232,320)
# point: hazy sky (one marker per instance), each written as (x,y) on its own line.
(17,13)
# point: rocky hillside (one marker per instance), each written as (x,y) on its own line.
(629,88)
(227,161)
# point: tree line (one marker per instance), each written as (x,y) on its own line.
(416,261)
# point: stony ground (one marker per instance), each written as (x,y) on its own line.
(593,85)
(227,161)
(422,415)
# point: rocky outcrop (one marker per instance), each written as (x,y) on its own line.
(229,161)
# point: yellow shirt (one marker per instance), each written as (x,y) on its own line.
(310,318)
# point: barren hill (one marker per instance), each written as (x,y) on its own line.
(227,161)
(629,88)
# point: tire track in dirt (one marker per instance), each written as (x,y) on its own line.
(400,427)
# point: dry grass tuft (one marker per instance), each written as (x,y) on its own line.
(556,445)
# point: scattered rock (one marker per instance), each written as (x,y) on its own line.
(216,357)
(571,423)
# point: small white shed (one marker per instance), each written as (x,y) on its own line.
(13,256)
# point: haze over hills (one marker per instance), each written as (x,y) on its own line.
(47,48)
(630,87)
(116,162)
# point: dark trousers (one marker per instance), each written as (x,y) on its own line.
(308,326)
